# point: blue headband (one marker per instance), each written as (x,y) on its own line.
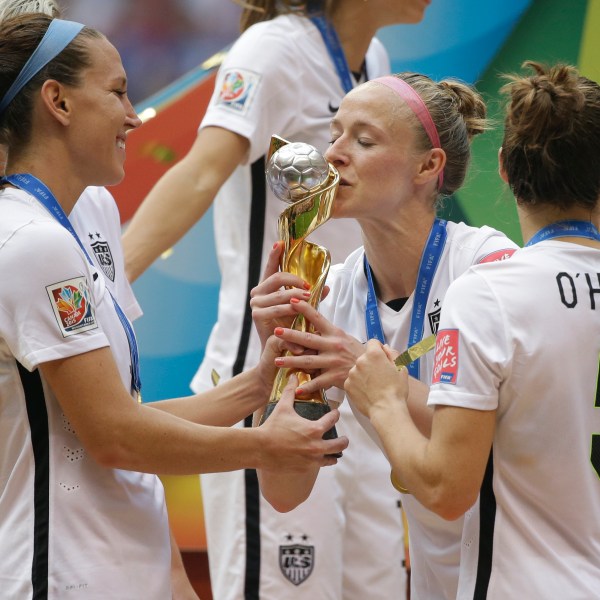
(57,37)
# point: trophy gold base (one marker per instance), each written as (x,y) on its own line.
(312,411)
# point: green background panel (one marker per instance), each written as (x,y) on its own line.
(550,31)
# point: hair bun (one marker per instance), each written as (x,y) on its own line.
(469,104)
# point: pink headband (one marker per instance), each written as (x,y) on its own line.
(416,104)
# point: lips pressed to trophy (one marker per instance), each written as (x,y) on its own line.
(299,174)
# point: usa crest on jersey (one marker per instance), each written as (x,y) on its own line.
(296,562)
(434,318)
(104,258)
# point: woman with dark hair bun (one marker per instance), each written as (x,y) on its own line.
(515,380)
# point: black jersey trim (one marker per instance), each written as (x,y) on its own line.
(252,492)
(38,424)
(487,519)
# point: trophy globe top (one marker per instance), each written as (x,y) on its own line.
(296,170)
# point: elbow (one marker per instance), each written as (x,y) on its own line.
(451,504)
(281,507)
(112,448)
(283,504)
(281,497)
(111,456)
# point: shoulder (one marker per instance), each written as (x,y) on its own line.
(284,33)
(378,62)
(479,244)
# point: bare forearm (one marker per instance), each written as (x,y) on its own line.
(224,405)
(181,197)
(405,447)
(421,414)
(157,442)
(173,206)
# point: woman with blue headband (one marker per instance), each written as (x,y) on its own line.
(82,512)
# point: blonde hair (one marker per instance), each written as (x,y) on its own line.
(256,11)
(459,114)
(13,8)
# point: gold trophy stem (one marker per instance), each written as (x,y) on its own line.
(310,262)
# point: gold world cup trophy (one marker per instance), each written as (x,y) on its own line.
(299,174)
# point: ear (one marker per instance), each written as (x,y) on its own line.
(54,99)
(501,169)
(431,166)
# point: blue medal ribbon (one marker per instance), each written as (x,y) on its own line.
(42,193)
(569,228)
(336,52)
(430,260)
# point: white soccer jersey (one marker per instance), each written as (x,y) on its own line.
(531,353)
(95,217)
(277,78)
(434,543)
(68,526)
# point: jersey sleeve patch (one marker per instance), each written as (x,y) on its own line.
(497,255)
(238,90)
(445,366)
(72,307)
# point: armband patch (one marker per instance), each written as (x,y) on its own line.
(238,88)
(497,255)
(72,307)
(445,366)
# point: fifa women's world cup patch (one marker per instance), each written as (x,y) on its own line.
(445,365)
(72,307)
(238,90)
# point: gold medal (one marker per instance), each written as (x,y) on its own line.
(414,352)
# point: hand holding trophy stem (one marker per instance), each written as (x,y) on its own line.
(297,173)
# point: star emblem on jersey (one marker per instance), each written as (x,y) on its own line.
(296,561)
(103,255)
(434,317)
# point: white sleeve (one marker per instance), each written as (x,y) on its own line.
(258,89)
(472,353)
(50,310)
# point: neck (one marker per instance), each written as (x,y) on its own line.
(355,39)
(65,191)
(532,218)
(394,254)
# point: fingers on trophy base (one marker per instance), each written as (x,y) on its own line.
(312,411)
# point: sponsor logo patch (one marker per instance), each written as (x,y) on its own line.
(497,255)
(296,561)
(445,366)
(238,89)
(71,304)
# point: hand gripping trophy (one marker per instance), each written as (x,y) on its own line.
(297,173)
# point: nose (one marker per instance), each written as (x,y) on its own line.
(334,154)
(132,121)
